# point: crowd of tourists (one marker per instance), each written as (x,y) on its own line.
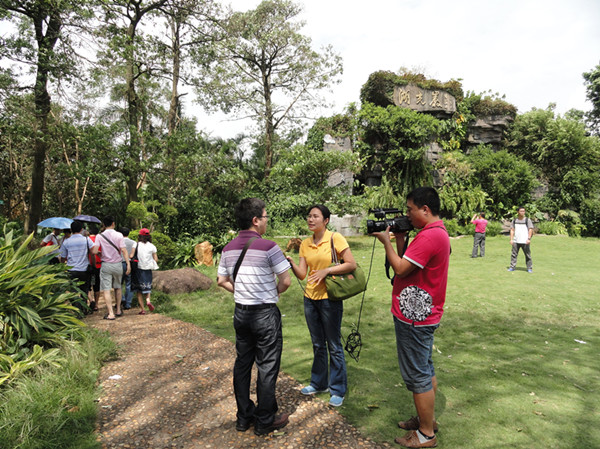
(107,265)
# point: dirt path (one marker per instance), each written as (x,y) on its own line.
(175,391)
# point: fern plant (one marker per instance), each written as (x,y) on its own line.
(35,310)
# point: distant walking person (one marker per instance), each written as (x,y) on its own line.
(96,263)
(111,271)
(521,231)
(147,260)
(479,238)
(256,272)
(53,239)
(128,294)
(75,253)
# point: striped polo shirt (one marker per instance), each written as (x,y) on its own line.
(75,250)
(256,281)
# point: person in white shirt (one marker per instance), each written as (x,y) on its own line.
(53,239)
(141,281)
(521,231)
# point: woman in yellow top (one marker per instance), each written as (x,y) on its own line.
(324,317)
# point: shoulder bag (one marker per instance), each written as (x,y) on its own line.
(109,241)
(344,286)
(89,268)
(133,261)
(239,261)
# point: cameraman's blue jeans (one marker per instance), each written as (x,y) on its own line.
(324,320)
(415,349)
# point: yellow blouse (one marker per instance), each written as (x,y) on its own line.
(318,257)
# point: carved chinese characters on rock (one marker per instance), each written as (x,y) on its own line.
(424,100)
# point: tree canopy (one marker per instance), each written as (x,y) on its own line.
(266,69)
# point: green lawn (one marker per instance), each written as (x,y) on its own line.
(517,354)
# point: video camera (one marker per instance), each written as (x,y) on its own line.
(397,224)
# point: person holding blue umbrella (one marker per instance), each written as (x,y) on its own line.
(57,223)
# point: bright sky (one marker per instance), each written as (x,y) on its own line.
(532,51)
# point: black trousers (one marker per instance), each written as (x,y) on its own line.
(84,280)
(258,339)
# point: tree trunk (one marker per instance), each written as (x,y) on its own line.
(131,166)
(46,43)
(176,49)
(269,127)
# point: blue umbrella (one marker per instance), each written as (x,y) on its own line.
(87,219)
(56,222)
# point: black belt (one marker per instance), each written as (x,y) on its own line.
(255,306)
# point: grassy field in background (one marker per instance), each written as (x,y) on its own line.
(517,354)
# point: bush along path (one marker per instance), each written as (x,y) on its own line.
(172,387)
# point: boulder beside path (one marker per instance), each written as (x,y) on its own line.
(182,280)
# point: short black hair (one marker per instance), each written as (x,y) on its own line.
(108,220)
(93,229)
(426,196)
(246,210)
(125,231)
(324,210)
(76,226)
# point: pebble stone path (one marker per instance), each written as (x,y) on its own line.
(171,387)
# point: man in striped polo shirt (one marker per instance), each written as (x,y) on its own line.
(75,252)
(256,283)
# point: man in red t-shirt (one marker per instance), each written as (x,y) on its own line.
(479,237)
(418,298)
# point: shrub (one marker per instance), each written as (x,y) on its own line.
(493,228)
(507,178)
(552,228)
(590,216)
(35,314)
(452,227)
(467,229)
(572,222)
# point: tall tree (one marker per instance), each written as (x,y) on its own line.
(40,42)
(266,69)
(126,47)
(592,84)
(191,26)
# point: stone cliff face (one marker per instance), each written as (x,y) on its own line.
(488,130)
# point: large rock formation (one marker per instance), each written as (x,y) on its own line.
(348,225)
(435,102)
(489,130)
(183,280)
(339,178)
